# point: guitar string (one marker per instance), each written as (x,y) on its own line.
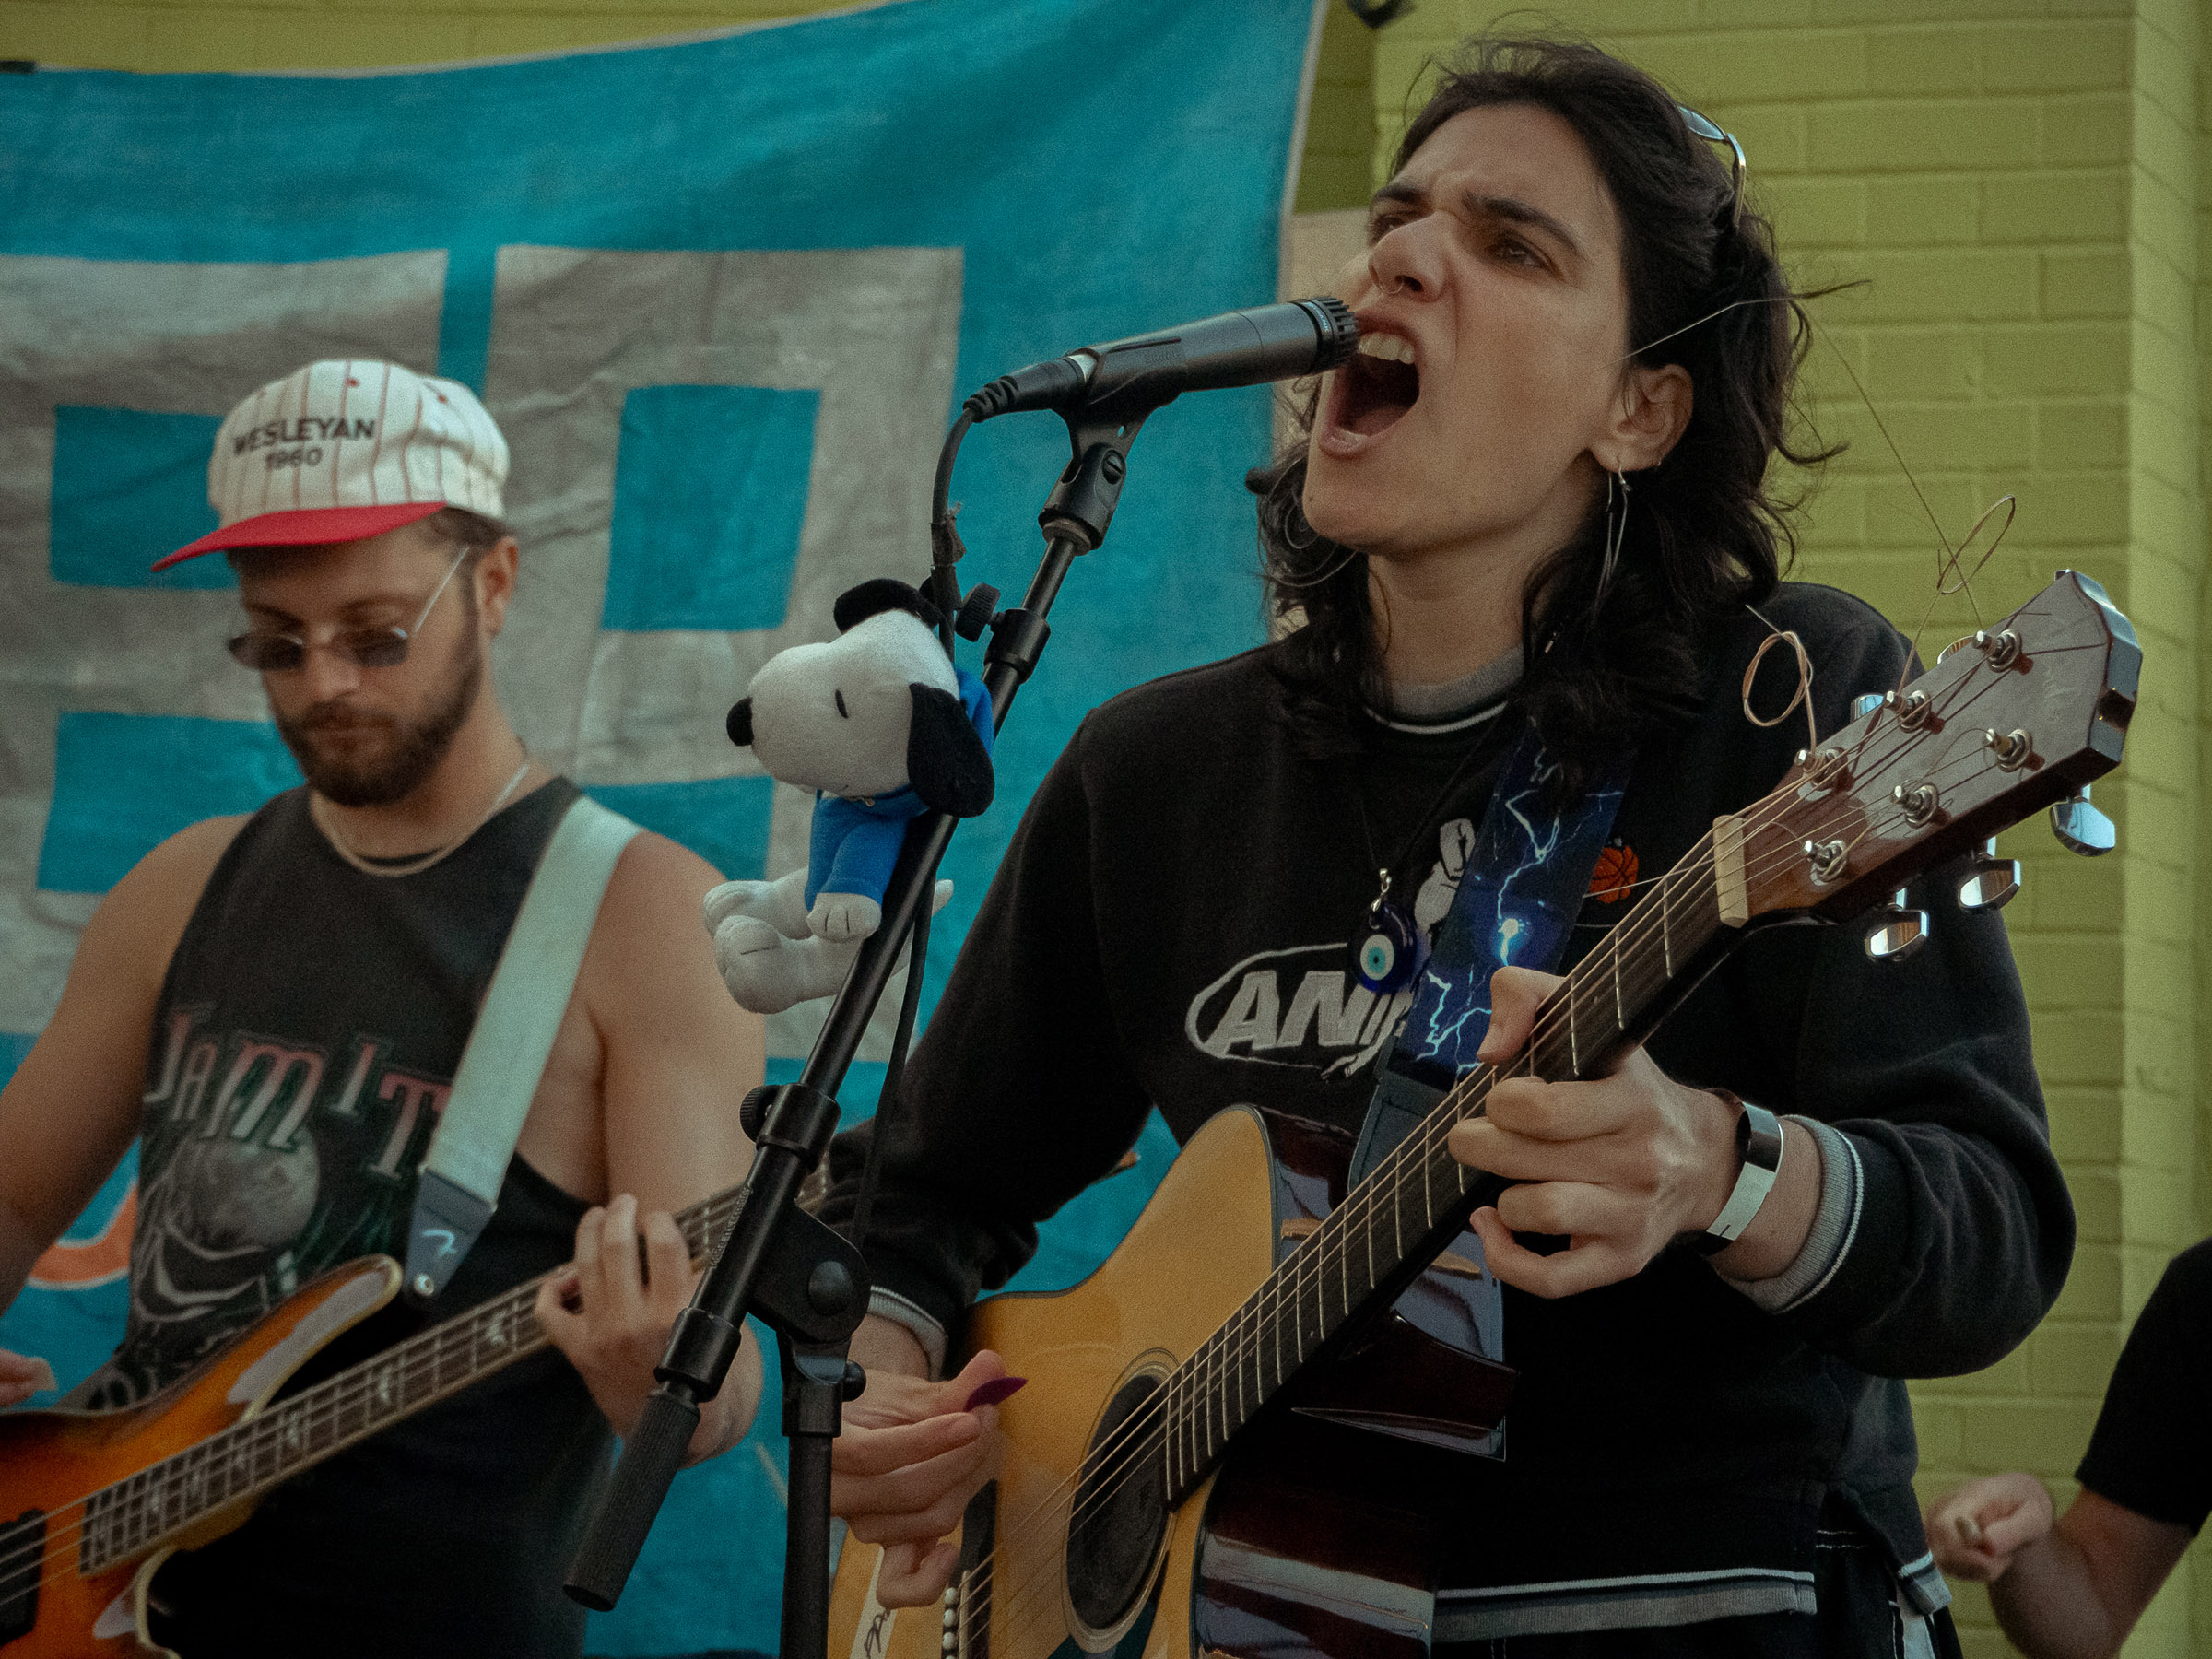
(1319,1257)
(1223,1353)
(978,1603)
(435,1347)
(1221,1348)
(434,1350)
(307,1413)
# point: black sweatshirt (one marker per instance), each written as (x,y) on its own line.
(1169,929)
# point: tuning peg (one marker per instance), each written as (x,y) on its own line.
(1990,881)
(2080,828)
(1866,703)
(1896,930)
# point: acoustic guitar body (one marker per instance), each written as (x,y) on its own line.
(1314,1535)
(50,1461)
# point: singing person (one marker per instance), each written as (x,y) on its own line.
(1542,497)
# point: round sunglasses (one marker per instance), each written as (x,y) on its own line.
(366,647)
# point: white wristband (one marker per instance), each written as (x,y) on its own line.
(1759,1144)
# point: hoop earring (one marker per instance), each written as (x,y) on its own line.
(1616,529)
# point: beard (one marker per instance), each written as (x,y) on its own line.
(369,772)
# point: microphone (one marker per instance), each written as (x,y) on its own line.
(1237,348)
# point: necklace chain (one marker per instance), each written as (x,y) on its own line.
(412,866)
(1382,872)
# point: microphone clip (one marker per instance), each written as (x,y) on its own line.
(1082,503)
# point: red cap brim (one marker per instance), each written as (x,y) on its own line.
(305,527)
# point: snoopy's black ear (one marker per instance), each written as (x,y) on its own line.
(881,594)
(740,723)
(945,762)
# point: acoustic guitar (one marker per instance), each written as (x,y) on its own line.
(1178,1480)
(92,1503)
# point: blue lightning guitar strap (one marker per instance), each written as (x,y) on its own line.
(1519,893)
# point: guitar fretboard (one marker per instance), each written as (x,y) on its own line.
(143,1510)
(1416,1202)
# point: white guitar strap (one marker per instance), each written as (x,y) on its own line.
(507,1048)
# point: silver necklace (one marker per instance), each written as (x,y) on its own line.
(413,866)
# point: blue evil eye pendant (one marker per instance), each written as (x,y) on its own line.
(1390,949)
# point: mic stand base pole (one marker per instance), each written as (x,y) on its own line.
(803,1281)
(816,1383)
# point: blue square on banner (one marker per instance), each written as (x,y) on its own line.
(130,487)
(123,783)
(710,497)
(724,820)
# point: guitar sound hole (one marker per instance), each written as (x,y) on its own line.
(1121,1509)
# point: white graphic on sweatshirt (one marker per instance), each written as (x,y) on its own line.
(1299,1004)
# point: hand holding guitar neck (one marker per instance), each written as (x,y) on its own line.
(1621,1164)
(610,1312)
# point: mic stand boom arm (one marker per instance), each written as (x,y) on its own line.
(805,1282)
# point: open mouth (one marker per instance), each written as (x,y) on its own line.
(1377,384)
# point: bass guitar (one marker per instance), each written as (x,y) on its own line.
(92,1503)
(1176,1483)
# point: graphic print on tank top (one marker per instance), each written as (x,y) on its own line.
(310,1028)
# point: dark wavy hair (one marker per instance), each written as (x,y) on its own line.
(1705,532)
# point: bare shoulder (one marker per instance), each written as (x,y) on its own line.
(656,878)
(649,921)
(146,912)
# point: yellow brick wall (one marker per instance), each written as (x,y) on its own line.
(2019,181)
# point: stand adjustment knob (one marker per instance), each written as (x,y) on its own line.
(855,1383)
(830,1287)
(976,611)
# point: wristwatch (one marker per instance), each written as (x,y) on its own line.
(1759,1148)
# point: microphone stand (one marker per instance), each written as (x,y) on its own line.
(803,1281)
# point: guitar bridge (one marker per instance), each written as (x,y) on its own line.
(968,1598)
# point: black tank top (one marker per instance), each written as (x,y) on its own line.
(310,1028)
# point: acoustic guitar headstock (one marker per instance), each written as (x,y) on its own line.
(2022,715)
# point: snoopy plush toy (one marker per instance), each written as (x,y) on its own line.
(883,728)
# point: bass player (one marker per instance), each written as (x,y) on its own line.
(1543,497)
(275,1006)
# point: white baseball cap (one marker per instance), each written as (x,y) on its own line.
(338,451)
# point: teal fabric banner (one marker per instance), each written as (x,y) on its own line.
(722,296)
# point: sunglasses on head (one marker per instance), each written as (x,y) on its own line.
(1705,128)
(366,647)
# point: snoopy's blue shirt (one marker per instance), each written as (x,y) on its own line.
(855,844)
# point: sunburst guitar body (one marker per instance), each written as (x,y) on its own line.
(73,1577)
(91,1504)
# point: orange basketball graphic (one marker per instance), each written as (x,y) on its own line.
(1614,874)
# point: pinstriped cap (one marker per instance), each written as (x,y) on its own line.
(338,451)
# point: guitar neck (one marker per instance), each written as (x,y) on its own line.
(260,1452)
(1392,1225)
